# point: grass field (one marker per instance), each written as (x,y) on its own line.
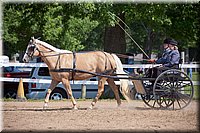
(195,77)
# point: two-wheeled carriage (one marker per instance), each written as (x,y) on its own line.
(172,89)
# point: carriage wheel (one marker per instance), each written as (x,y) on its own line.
(173,89)
(149,98)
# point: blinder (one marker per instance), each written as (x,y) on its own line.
(31,50)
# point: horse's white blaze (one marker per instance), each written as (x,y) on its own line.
(26,57)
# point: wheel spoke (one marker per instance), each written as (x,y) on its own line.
(173,105)
(183,96)
(178,103)
(154,103)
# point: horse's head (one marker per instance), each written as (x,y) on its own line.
(31,50)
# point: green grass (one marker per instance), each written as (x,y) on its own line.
(196,92)
(195,77)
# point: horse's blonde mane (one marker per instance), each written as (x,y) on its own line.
(52,47)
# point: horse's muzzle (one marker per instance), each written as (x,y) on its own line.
(25,58)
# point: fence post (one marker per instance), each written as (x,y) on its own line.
(183,59)
(190,71)
(130,61)
(83,91)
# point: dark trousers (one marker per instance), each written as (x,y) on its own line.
(156,71)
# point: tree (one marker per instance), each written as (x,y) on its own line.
(61,25)
(161,21)
(114,37)
(89,26)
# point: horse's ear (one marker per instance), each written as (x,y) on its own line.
(38,38)
(32,38)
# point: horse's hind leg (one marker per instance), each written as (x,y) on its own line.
(113,86)
(101,83)
(51,87)
(66,83)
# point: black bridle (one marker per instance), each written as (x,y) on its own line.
(35,48)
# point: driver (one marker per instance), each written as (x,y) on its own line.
(169,59)
(174,55)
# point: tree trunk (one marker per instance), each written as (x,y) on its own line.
(149,42)
(114,38)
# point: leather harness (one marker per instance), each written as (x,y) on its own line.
(74,65)
(73,70)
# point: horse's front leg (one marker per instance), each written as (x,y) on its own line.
(101,83)
(66,83)
(50,89)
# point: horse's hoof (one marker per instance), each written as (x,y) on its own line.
(119,107)
(45,106)
(74,108)
(90,108)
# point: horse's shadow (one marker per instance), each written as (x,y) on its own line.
(148,108)
(144,108)
(46,109)
(70,108)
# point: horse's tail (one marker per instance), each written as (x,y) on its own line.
(124,83)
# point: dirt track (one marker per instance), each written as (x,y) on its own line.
(29,116)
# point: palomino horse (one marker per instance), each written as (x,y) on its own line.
(94,62)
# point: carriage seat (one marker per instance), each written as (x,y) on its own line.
(156,71)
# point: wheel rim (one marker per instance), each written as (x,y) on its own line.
(173,89)
(56,96)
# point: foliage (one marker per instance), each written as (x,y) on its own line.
(77,33)
(54,23)
(164,20)
(80,26)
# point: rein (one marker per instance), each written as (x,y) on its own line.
(58,54)
(119,55)
(128,56)
(53,54)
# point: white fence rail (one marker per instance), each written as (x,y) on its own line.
(80,82)
(124,65)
